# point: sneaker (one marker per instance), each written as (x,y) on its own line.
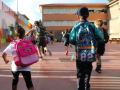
(98,70)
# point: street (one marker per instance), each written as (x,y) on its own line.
(58,72)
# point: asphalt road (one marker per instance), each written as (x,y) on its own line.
(58,72)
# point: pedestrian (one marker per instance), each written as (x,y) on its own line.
(66,41)
(40,37)
(100,45)
(84,36)
(51,37)
(16,70)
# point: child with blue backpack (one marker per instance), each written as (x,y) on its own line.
(16,70)
(84,36)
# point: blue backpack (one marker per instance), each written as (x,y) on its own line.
(85,43)
(85,36)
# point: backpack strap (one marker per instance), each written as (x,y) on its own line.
(92,29)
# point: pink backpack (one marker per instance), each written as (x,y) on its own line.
(26,53)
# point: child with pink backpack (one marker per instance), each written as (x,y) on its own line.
(24,54)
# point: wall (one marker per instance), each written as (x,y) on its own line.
(7,18)
(114,19)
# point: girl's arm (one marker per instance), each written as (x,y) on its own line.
(4,56)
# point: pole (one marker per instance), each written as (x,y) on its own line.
(17,7)
(17,15)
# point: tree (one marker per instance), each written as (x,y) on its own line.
(12,31)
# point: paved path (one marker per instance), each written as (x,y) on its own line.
(58,72)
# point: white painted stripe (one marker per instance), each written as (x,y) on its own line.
(60,11)
(66,10)
(105,80)
(104,88)
(62,77)
(104,83)
(104,77)
(35,71)
(61,67)
(53,76)
(59,23)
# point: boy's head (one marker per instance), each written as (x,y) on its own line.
(36,23)
(83,12)
(20,32)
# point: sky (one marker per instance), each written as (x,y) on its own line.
(31,7)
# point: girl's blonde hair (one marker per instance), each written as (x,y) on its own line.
(99,22)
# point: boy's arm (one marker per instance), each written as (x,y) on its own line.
(98,34)
(4,56)
(72,36)
(29,32)
(106,35)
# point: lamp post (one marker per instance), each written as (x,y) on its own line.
(16,23)
(17,7)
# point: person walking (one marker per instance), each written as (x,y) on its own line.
(66,42)
(100,45)
(16,70)
(40,37)
(84,36)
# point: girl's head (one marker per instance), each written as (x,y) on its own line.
(99,23)
(20,32)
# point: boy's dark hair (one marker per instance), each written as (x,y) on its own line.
(20,32)
(36,23)
(83,11)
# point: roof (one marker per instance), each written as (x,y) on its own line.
(75,4)
(25,16)
(112,2)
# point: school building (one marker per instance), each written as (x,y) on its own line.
(59,17)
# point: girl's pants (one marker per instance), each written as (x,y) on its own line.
(26,76)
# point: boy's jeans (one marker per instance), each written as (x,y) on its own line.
(84,70)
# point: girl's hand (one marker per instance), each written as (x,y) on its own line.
(4,56)
(6,61)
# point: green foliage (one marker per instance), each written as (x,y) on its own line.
(11,28)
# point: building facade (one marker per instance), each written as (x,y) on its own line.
(8,19)
(59,17)
(114,19)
